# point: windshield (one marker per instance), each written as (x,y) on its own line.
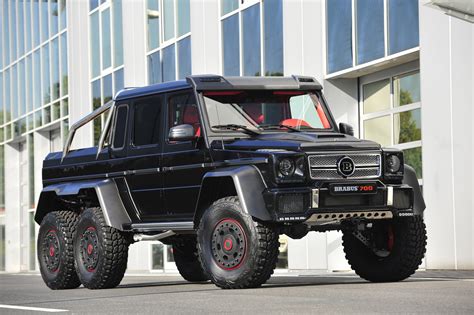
(266,110)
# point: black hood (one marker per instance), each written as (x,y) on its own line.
(302,141)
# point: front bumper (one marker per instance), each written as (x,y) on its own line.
(303,203)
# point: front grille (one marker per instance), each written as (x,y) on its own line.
(291,203)
(324,166)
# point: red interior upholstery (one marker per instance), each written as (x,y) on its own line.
(191,117)
(255,112)
(292,122)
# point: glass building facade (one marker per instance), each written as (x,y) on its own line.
(248,39)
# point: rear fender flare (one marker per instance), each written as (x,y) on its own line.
(108,196)
(249,187)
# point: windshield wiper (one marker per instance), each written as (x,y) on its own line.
(244,129)
(280,126)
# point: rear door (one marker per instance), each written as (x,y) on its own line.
(184,162)
(143,161)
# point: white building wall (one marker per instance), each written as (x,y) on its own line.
(447,87)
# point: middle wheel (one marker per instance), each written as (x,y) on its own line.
(236,251)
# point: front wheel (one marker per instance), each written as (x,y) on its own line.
(390,251)
(236,251)
(100,251)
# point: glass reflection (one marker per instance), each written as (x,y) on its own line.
(182,8)
(118,80)
(406,89)
(230,45)
(36,22)
(402,25)
(153,20)
(168,16)
(55,69)
(44,20)
(107,89)
(168,64)
(251,41)
(228,6)
(54,16)
(184,57)
(37,79)
(95,44)
(46,77)
(154,68)
(370,30)
(118,33)
(106,40)
(64,67)
(407,126)
(339,32)
(273,26)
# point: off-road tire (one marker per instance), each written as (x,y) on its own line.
(409,246)
(259,256)
(186,259)
(104,266)
(55,249)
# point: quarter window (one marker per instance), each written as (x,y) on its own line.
(146,121)
(120,127)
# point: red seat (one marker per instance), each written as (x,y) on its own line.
(191,117)
(255,112)
(292,122)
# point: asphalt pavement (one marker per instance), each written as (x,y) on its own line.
(434,292)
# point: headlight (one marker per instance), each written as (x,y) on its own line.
(286,167)
(393,164)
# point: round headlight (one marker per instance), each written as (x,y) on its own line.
(393,163)
(286,167)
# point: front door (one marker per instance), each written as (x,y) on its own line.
(183,162)
(143,161)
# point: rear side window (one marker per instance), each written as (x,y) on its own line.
(146,121)
(120,126)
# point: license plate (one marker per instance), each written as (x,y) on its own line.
(353,189)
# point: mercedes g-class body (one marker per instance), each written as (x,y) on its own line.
(219,167)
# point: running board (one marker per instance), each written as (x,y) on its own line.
(163,226)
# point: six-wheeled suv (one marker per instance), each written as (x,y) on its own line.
(219,167)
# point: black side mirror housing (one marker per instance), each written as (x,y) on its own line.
(183,132)
(346,129)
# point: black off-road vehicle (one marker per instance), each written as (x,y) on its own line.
(219,167)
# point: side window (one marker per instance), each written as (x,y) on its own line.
(120,126)
(182,109)
(146,121)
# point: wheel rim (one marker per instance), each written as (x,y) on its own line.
(89,248)
(51,251)
(229,244)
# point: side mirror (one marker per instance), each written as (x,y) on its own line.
(181,133)
(346,129)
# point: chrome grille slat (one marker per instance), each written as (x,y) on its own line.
(324,166)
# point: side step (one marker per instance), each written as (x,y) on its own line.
(163,226)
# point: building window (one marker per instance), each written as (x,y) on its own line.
(391,115)
(362,31)
(106,37)
(157,262)
(252,38)
(33,66)
(169,40)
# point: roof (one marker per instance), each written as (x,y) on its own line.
(217,82)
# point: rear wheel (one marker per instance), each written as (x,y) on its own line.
(55,250)
(236,251)
(391,250)
(100,251)
(186,259)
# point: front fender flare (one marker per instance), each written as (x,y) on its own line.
(249,186)
(107,194)
(410,179)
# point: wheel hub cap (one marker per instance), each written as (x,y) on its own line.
(50,252)
(228,244)
(89,252)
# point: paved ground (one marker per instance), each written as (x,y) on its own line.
(426,292)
